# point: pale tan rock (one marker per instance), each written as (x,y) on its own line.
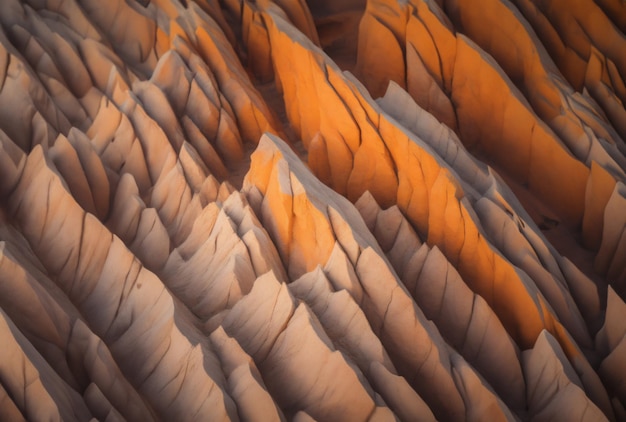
(106,376)
(392,314)
(610,340)
(261,250)
(8,409)
(258,319)
(31,305)
(460,315)
(95,173)
(63,99)
(175,203)
(328,375)
(132,33)
(194,169)
(13,161)
(166,343)
(36,390)
(244,380)
(99,61)
(62,336)
(67,162)
(611,369)
(58,44)
(99,265)
(203,101)
(445,312)
(138,283)
(205,150)
(126,209)
(213,270)
(599,189)
(204,108)
(552,382)
(394,231)
(29,101)
(151,240)
(158,152)
(609,257)
(614,328)
(157,106)
(302,416)
(585,293)
(341,273)
(174,78)
(484,403)
(227,285)
(116,143)
(401,398)
(99,405)
(342,319)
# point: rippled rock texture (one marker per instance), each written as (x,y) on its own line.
(325,210)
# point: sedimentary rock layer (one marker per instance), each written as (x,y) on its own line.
(290,210)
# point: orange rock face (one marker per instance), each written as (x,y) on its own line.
(290,210)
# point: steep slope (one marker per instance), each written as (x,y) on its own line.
(274,210)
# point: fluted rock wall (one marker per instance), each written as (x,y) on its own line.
(274,210)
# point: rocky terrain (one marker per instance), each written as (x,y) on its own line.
(327,210)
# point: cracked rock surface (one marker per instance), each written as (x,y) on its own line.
(312,210)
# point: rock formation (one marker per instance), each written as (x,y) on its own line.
(289,210)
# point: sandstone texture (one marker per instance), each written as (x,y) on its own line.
(272,210)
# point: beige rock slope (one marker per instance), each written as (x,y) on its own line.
(291,210)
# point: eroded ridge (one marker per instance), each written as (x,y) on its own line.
(262,210)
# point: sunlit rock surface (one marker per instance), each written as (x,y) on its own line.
(324,210)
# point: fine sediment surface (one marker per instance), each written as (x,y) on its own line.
(289,210)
